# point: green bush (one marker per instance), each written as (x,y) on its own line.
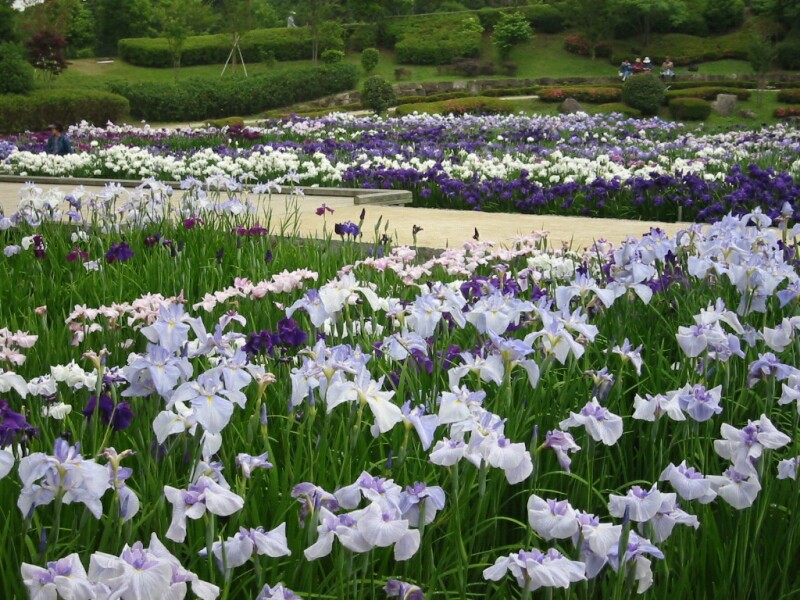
(475,104)
(790,96)
(378,94)
(16,75)
(547,18)
(284,43)
(201,99)
(330,57)
(589,94)
(708,92)
(690,109)
(369,59)
(643,92)
(432,39)
(789,54)
(34,111)
(511,30)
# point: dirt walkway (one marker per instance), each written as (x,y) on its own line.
(440,228)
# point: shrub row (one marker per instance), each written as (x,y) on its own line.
(36,110)
(433,97)
(283,43)
(518,91)
(708,93)
(690,109)
(476,104)
(591,95)
(685,49)
(686,85)
(200,99)
(787,112)
(789,96)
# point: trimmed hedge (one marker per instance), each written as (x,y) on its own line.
(684,49)
(432,40)
(476,104)
(690,109)
(518,91)
(433,97)
(283,43)
(644,92)
(789,96)
(201,99)
(591,95)
(36,110)
(685,85)
(708,93)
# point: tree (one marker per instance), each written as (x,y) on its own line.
(647,12)
(512,29)
(118,19)
(761,54)
(179,19)
(593,18)
(314,13)
(46,52)
(8,21)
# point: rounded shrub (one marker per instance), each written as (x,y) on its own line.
(789,54)
(332,56)
(377,94)
(16,75)
(643,92)
(690,109)
(369,59)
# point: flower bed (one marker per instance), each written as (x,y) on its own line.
(602,165)
(194,398)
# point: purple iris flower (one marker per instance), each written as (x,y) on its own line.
(13,424)
(395,588)
(768,365)
(348,228)
(120,252)
(119,415)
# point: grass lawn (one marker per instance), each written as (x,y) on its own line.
(544,56)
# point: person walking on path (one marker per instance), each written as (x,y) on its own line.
(58,143)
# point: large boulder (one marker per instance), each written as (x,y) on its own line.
(570,106)
(725,104)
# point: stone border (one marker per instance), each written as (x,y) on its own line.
(359,195)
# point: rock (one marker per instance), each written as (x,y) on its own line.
(725,104)
(570,106)
(747,114)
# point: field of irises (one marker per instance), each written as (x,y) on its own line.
(602,165)
(196,402)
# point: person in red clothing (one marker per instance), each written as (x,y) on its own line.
(638,66)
